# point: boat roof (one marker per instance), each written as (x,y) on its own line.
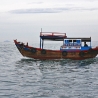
(54,36)
(83,39)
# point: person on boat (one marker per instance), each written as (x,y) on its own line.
(85,45)
(27,44)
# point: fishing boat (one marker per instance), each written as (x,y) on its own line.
(72,48)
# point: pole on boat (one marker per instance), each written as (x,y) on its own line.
(40,39)
(40,42)
(90,41)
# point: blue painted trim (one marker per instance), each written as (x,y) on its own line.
(85,48)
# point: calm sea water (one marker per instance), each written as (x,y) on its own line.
(22,77)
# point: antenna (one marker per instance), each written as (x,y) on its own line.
(41,29)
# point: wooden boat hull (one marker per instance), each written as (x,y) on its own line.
(44,54)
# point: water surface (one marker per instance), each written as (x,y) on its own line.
(22,77)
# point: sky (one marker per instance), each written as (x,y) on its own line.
(23,19)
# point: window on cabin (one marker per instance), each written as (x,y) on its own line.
(74,40)
(66,41)
(70,40)
(78,41)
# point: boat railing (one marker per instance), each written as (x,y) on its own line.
(52,34)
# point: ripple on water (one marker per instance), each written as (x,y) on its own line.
(27,78)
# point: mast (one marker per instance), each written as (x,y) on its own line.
(41,42)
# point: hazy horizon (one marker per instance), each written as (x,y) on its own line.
(23,20)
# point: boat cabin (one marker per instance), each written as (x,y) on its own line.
(68,43)
(76,44)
